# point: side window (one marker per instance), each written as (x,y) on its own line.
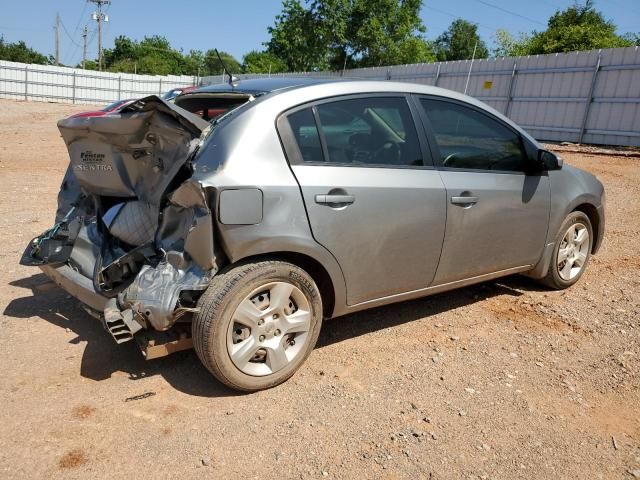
(370,131)
(468,139)
(305,132)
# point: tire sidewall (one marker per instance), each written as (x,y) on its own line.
(573,218)
(266,272)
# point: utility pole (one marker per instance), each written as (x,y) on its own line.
(56,28)
(85,32)
(100,17)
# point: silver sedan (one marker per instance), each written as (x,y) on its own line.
(244,214)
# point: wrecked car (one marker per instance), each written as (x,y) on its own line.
(240,217)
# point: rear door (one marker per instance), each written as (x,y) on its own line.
(497,207)
(373,198)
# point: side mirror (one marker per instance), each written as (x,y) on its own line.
(549,160)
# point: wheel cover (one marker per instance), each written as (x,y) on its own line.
(573,251)
(269,329)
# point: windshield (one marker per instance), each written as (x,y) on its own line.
(173,93)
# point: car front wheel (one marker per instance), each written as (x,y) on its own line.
(572,252)
(257,323)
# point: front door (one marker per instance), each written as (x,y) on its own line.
(497,210)
(372,199)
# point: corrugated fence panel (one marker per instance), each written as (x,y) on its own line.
(614,114)
(591,97)
(62,84)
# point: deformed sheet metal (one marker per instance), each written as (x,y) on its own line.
(146,227)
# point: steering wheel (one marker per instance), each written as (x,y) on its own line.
(389,150)
(449,158)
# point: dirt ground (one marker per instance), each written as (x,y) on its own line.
(502,380)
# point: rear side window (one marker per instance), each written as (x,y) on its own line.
(305,132)
(370,131)
(468,139)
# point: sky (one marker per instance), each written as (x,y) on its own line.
(239,26)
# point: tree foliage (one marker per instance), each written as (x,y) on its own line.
(315,35)
(295,40)
(262,62)
(459,42)
(508,45)
(212,65)
(579,27)
(632,38)
(321,34)
(155,56)
(20,52)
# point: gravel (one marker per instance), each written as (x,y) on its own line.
(547,379)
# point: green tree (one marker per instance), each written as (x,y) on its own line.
(296,40)
(152,55)
(212,65)
(194,63)
(388,32)
(19,52)
(509,46)
(579,27)
(459,42)
(632,38)
(262,62)
(321,34)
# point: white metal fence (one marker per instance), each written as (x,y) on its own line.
(586,97)
(22,81)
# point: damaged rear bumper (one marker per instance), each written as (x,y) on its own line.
(76,285)
(133,240)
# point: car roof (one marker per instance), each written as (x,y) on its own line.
(265,85)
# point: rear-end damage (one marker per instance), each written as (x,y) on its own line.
(133,238)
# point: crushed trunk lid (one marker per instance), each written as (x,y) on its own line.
(130,217)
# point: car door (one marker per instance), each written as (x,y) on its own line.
(497,205)
(372,195)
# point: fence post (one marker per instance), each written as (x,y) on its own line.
(119,87)
(435,82)
(26,82)
(512,82)
(590,98)
(160,89)
(73,89)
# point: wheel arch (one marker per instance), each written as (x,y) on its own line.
(312,266)
(591,211)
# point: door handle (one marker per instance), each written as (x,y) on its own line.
(465,201)
(329,199)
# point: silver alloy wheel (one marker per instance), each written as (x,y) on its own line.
(269,329)
(573,251)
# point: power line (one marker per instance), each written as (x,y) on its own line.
(80,19)
(452,15)
(72,52)
(497,7)
(69,35)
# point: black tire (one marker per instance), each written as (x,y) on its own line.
(553,279)
(218,304)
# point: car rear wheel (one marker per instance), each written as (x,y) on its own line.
(572,252)
(257,323)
